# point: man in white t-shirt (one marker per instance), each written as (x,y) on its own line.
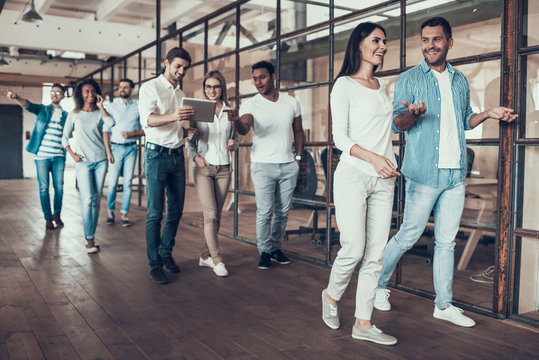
(275,117)
(164,164)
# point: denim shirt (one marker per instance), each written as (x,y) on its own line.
(43,117)
(126,118)
(420,162)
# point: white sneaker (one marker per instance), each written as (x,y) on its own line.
(206,262)
(381,300)
(454,315)
(220,269)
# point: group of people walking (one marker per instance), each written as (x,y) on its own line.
(431,106)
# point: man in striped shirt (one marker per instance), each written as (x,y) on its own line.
(46,144)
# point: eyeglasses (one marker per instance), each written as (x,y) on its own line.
(56,93)
(215,87)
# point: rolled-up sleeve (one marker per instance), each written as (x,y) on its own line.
(340,108)
(68,130)
(146,105)
(469,111)
(402,92)
(108,122)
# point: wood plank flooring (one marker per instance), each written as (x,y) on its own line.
(57,302)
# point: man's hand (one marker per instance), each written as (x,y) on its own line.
(200,161)
(184,113)
(416,110)
(11,95)
(230,145)
(232,114)
(126,134)
(99,102)
(110,158)
(383,166)
(502,113)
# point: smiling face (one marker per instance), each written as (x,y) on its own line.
(125,90)
(175,70)
(435,45)
(213,89)
(264,82)
(57,95)
(88,94)
(373,48)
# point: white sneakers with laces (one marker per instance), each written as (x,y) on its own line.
(219,269)
(453,314)
(381,300)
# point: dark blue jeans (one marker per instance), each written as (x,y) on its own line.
(55,166)
(164,174)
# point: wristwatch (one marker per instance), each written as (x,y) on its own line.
(298,157)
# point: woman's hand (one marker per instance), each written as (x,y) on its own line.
(110,158)
(383,166)
(76,157)
(99,102)
(200,161)
(230,145)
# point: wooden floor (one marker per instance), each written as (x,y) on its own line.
(57,302)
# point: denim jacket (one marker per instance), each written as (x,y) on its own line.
(423,138)
(43,117)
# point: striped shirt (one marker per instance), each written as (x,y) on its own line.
(421,155)
(51,144)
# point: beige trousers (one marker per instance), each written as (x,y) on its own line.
(212,185)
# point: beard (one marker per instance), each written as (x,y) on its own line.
(125,95)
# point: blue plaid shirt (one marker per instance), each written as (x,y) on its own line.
(422,139)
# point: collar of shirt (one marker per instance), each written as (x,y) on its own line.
(167,83)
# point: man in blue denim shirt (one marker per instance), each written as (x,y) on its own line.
(432,108)
(46,144)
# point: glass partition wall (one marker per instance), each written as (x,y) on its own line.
(496,272)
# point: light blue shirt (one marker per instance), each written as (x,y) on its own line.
(126,117)
(423,139)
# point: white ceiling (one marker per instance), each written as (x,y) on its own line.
(98,28)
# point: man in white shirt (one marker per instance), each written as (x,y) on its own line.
(164,165)
(274,117)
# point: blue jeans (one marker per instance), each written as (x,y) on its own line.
(274,187)
(124,162)
(448,202)
(164,172)
(55,166)
(90,179)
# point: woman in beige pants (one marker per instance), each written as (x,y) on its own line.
(210,149)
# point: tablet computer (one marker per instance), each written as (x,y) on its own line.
(204,109)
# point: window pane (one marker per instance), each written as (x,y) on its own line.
(531,128)
(132,68)
(528,295)
(166,46)
(296,15)
(530,220)
(148,64)
(314,112)
(343,7)
(476,27)
(222,34)
(257,22)
(531,19)
(305,59)
(248,58)
(193,42)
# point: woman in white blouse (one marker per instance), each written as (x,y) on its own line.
(210,149)
(364,179)
(91,153)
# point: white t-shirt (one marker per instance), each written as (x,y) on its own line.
(272,127)
(449,148)
(159,97)
(361,116)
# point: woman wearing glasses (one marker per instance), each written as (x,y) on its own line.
(91,153)
(210,149)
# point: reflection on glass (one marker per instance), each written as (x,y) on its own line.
(530,209)
(257,21)
(296,15)
(476,27)
(247,59)
(222,34)
(304,59)
(528,295)
(531,129)
(531,18)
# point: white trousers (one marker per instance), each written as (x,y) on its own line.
(363,206)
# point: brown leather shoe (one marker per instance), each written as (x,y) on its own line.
(57,220)
(49,225)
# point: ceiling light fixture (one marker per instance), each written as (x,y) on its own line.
(32,16)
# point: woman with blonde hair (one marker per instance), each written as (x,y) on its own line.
(210,149)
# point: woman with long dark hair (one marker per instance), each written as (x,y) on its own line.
(90,154)
(364,179)
(210,150)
